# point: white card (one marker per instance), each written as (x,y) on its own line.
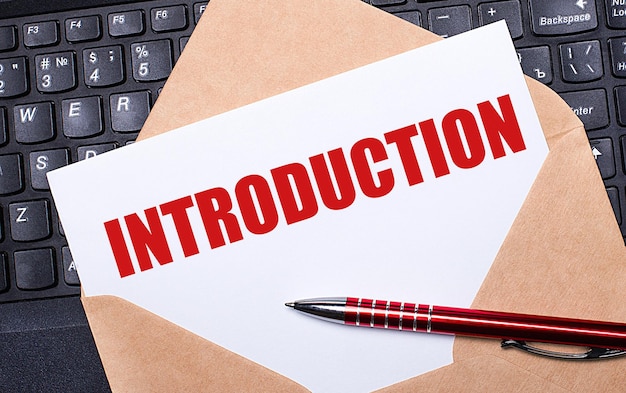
(441,146)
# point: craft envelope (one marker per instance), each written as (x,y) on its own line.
(563,256)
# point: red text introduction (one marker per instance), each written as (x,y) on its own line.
(331,180)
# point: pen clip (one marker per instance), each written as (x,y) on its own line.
(592,353)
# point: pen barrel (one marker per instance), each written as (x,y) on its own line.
(480,323)
(523,327)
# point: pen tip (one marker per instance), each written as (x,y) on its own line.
(290,304)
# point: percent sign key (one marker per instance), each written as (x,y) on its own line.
(152,61)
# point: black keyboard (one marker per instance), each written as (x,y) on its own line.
(73,85)
(80,82)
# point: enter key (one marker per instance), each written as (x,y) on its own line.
(590,106)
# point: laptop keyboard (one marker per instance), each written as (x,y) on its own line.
(72,85)
(77,84)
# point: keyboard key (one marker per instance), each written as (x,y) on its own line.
(614,199)
(602,150)
(42,162)
(151,61)
(55,72)
(616,13)
(8,38)
(581,61)
(198,10)
(41,34)
(103,66)
(126,23)
(34,269)
(557,17)
(85,28)
(129,110)
(183,43)
(3,127)
(449,21)
(82,117)
(13,77)
(29,220)
(34,123)
(86,152)
(387,2)
(11,178)
(69,268)
(536,62)
(168,18)
(4,278)
(590,106)
(410,16)
(620,104)
(508,10)
(617,48)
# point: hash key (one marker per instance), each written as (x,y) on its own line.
(29,220)
(55,72)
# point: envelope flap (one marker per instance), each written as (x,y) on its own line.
(478,374)
(563,256)
(143,352)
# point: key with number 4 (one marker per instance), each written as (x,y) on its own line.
(103,66)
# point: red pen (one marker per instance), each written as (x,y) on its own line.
(466,322)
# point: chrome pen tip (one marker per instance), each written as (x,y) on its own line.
(290,304)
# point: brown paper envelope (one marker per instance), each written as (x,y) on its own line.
(563,256)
